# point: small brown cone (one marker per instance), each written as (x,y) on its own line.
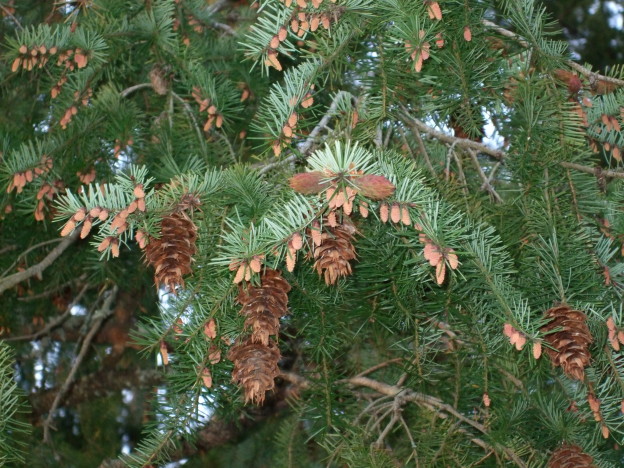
(568,347)
(336,250)
(256,356)
(263,306)
(570,456)
(255,368)
(171,254)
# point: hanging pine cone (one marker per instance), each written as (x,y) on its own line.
(256,356)
(171,254)
(568,347)
(263,306)
(335,250)
(570,456)
(255,368)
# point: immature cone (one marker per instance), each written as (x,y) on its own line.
(263,306)
(332,256)
(171,254)
(570,345)
(570,456)
(255,368)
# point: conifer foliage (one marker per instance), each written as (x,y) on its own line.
(308,233)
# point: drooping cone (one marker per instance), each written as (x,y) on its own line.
(263,306)
(256,356)
(335,251)
(255,368)
(171,254)
(570,345)
(570,456)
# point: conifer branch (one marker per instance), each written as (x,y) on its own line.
(402,395)
(418,125)
(12,16)
(306,146)
(189,113)
(572,64)
(102,314)
(427,400)
(128,91)
(486,183)
(56,252)
(28,250)
(54,323)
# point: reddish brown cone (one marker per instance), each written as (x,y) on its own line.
(171,254)
(570,456)
(335,251)
(263,306)
(256,356)
(568,347)
(255,368)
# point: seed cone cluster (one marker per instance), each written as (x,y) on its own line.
(256,356)
(171,254)
(570,456)
(570,345)
(334,251)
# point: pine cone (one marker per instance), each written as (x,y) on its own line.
(171,254)
(570,456)
(571,343)
(256,357)
(255,368)
(263,306)
(336,249)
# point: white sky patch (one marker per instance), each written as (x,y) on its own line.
(127,396)
(616,20)
(78,310)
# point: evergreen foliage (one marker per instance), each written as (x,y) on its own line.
(309,232)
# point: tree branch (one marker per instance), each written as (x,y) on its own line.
(305,147)
(486,183)
(54,323)
(56,252)
(97,385)
(579,68)
(99,318)
(408,395)
(417,125)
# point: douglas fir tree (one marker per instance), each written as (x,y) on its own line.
(307,233)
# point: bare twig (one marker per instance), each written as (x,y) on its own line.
(223,27)
(486,182)
(37,269)
(101,315)
(597,171)
(191,116)
(460,171)
(492,173)
(305,147)
(497,154)
(49,292)
(54,323)
(126,92)
(423,151)
(445,138)
(8,248)
(524,43)
(432,402)
(12,16)
(27,251)
(381,365)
